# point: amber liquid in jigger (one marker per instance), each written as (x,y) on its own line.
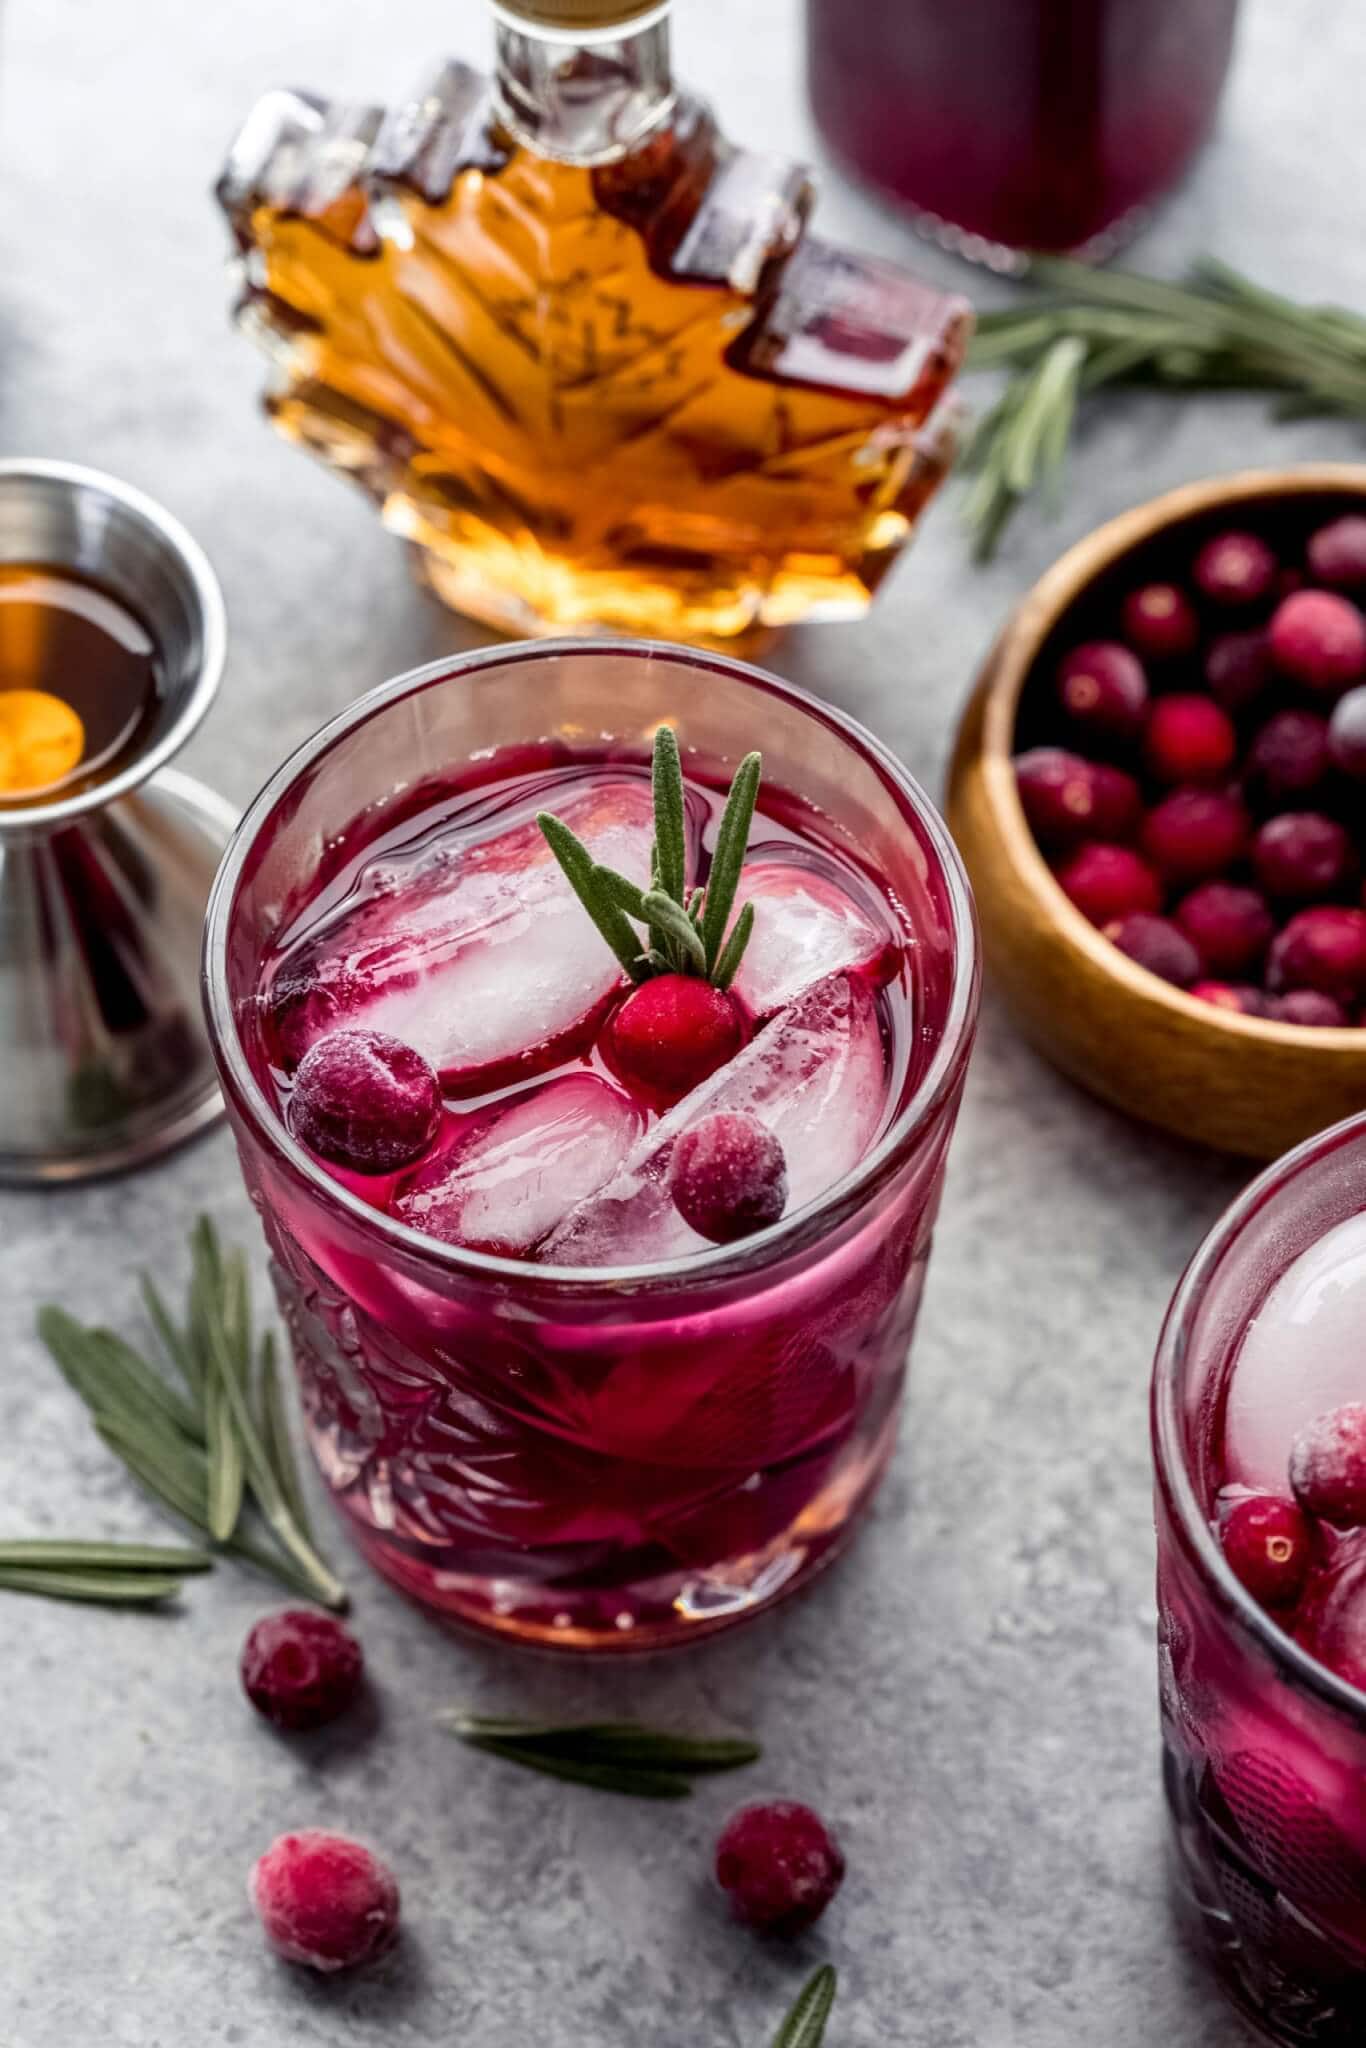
(79,682)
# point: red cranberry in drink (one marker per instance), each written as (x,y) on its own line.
(325,1901)
(1269,1546)
(1190,739)
(1238,670)
(1332,1622)
(1347,733)
(1301,855)
(1324,949)
(1306,1006)
(1104,691)
(1288,759)
(1241,1000)
(1157,944)
(365,1101)
(1230,927)
(1337,553)
(1318,639)
(780,1866)
(1107,882)
(728,1176)
(1194,833)
(301,1669)
(1235,569)
(1328,1466)
(1159,620)
(669,1034)
(1067,799)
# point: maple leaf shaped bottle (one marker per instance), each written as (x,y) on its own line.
(581,349)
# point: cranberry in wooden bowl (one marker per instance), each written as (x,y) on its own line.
(1168,844)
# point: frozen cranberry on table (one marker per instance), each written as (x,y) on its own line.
(1347,734)
(1066,798)
(1189,739)
(1157,944)
(1159,620)
(1235,569)
(365,1101)
(780,1866)
(1238,670)
(1195,833)
(1269,1546)
(1107,882)
(1288,759)
(1307,1007)
(1238,998)
(1104,691)
(1328,1466)
(301,1669)
(325,1901)
(1302,855)
(728,1176)
(1318,639)
(1337,553)
(670,1034)
(1230,927)
(1323,949)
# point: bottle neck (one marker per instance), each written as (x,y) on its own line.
(584,96)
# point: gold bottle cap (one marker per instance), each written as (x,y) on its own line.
(579,14)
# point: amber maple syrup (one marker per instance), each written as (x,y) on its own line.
(79,682)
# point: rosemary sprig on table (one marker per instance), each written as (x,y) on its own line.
(1087,330)
(104,1574)
(609,1756)
(685,929)
(214,1450)
(805,2024)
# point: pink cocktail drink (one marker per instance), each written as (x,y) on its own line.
(568,1375)
(1259,1412)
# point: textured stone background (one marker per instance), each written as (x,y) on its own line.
(970,1694)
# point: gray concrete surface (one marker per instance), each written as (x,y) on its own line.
(970,1694)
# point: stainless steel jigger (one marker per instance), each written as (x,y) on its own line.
(103,1058)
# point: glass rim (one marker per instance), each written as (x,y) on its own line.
(1169,1458)
(721,1262)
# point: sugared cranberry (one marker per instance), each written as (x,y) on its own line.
(1319,639)
(779,1865)
(1328,1466)
(1194,833)
(1107,882)
(300,1669)
(1306,1006)
(1238,670)
(669,1034)
(1347,733)
(1337,553)
(1159,620)
(365,1101)
(1190,739)
(1301,855)
(1235,569)
(1067,799)
(728,1176)
(1269,1547)
(1332,1622)
(1323,949)
(1157,944)
(1288,759)
(1236,997)
(1104,691)
(1230,927)
(325,1901)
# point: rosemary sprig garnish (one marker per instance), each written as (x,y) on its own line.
(1096,328)
(805,2024)
(111,1574)
(685,931)
(610,1756)
(218,1456)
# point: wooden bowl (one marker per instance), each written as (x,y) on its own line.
(1238,1083)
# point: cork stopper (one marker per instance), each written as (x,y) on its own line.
(579,14)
